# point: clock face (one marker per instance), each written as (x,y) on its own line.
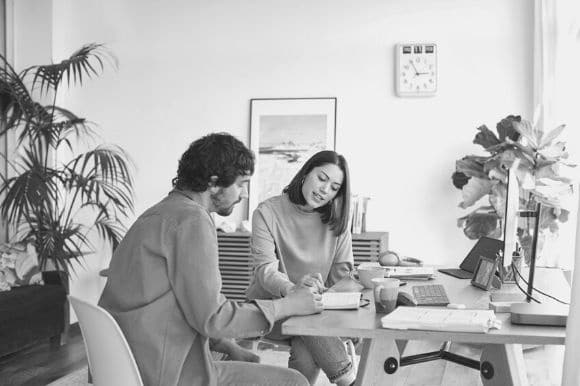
(416,69)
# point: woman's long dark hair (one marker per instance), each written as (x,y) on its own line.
(336,212)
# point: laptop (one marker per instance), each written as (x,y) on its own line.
(485,246)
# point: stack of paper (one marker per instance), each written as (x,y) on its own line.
(438,319)
(410,272)
(341,300)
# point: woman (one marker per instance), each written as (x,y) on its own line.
(300,239)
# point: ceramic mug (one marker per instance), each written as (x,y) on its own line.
(367,274)
(385,291)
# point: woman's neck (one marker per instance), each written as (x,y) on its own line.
(305,208)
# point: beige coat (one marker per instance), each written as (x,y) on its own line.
(164,291)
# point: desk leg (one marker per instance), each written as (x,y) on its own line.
(371,370)
(503,365)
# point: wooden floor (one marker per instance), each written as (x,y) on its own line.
(40,365)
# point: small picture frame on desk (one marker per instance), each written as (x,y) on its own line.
(484,274)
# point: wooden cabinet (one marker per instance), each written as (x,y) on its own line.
(235,262)
(367,246)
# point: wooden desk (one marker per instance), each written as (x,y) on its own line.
(502,351)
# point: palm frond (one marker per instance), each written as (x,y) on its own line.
(102,173)
(38,127)
(16,104)
(110,230)
(110,164)
(87,61)
(44,199)
(34,187)
(57,240)
(73,124)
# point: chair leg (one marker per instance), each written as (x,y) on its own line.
(89,376)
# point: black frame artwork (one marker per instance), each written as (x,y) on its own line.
(284,133)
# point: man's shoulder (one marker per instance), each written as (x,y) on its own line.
(176,209)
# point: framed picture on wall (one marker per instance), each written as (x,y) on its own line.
(284,133)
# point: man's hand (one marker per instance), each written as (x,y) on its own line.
(302,301)
(234,351)
(238,353)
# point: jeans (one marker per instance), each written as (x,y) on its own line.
(254,374)
(310,354)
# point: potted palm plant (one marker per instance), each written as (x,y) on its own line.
(62,192)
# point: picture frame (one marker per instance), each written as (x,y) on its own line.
(284,133)
(485,273)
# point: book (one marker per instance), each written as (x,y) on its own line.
(356,214)
(341,300)
(365,203)
(351,214)
(440,319)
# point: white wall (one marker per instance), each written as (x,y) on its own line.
(190,67)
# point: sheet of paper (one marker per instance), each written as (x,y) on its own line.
(440,319)
(424,272)
(402,271)
(341,300)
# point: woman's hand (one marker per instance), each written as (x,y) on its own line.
(347,284)
(313,281)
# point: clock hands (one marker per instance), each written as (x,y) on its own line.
(417,73)
(415,68)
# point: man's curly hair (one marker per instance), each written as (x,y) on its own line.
(217,154)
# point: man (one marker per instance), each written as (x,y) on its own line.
(164,283)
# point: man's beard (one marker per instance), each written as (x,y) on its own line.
(225,211)
(218,203)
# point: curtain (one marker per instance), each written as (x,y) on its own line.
(555,85)
(571,372)
(558,73)
(5,27)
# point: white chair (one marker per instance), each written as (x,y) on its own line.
(111,361)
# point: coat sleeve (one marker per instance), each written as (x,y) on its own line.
(266,263)
(190,246)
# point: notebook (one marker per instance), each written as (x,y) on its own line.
(485,246)
(440,319)
(341,300)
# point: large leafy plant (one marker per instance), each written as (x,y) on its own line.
(538,157)
(60,188)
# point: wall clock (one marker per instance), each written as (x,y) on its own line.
(416,69)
